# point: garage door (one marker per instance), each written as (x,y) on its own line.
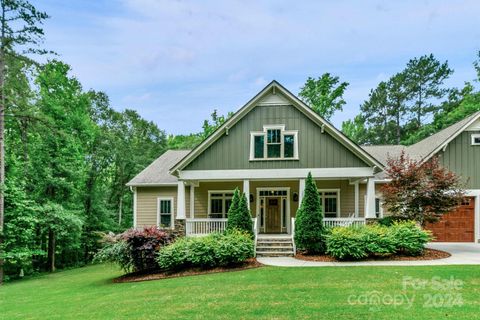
(457,226)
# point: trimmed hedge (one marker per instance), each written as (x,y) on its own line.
(355,243)
(214,250)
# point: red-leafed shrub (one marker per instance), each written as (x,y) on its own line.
(420,191)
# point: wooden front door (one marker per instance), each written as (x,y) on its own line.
(273,221)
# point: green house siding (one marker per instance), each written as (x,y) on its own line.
(315,149)
(463,158)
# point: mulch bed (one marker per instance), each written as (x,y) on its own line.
(135,276)
(428,254)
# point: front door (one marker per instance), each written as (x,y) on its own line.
(273,220)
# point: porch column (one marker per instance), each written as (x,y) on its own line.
(370,205)
(356,199)
(246,190)
(181,201)
(192,201)
(301,191)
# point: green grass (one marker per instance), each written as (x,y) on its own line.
(264,293)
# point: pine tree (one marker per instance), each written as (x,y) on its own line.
(239,216)
(309,229)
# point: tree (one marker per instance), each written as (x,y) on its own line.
(239,216)
(355,129)
(19,28)
(424,78)
(309,229)
(420,191)
(324,95)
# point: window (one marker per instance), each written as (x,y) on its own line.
(218,203)
(475,139)
(165,212)
(330,201)
(378,208)
(274,143)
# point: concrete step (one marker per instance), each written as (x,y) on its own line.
(276,249)
(275,240)
(274,254)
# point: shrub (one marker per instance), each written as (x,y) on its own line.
(239,217)
(214,250)
(115,250)
(143,245)
(356,243)
(309,229)
(409,238)
(388,221)
(346,243)
(135,249)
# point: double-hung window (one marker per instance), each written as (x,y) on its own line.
(218,203)
(274,143)
(330,201)
(165,212)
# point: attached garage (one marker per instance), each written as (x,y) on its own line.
(457,226)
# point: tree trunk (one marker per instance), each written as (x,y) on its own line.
(51,251)
(120,208)
(398,125)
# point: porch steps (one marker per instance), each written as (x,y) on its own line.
(274,246)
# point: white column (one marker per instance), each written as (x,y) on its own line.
(181,200)
(134,207)
(356,199)
(246,190)
(301,191)
(370,205)
(192,201)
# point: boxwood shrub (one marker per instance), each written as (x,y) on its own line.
(214,250)
(355,243)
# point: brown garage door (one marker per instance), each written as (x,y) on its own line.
(457,226)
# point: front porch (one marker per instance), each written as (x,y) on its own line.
(273,203)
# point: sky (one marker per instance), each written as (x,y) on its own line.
(176,61)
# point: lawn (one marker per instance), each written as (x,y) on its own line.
(263,293)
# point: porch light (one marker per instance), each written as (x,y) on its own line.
(251,197)
(295,197)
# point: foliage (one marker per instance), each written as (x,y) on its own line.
(239,216)
(143,245)
(115,250)
(324,95)
(309,229)
(409,238)
(214,250)
(420,191)
(355,243)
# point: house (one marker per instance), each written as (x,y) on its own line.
(266,149)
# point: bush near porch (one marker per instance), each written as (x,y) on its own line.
(355,243)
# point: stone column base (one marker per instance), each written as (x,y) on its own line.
(179,228)
(370,220)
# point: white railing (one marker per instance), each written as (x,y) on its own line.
(292,226)
(343,222)
(255,232)
(202,227)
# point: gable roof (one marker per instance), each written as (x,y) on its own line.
(426,148)
(273,87)
(383,152)
(156,174)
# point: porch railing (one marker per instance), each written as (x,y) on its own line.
(343,222)
(201,227)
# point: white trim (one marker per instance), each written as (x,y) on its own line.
(172,209)
(283,133)
(297,103)
(475,136)
(370,203)
(339,213)
(474,126)
(301,191)
(192,201)
(134,207)
(246,191)
(166,184)
(272,174)
(281,213)
(356,200)
(209,208)
(476,194)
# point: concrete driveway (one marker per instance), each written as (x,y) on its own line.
(462,253)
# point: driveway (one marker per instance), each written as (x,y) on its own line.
(462,253)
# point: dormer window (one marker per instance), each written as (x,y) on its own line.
(274,143)
(475,139)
